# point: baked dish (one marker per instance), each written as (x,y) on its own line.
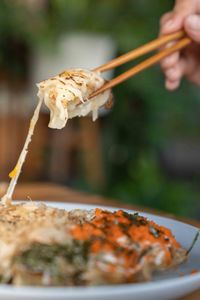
(45,246)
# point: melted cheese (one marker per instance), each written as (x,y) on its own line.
(66,97)
(14,174)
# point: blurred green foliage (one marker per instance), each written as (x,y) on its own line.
(145,116)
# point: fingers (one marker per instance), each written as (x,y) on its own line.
(184,67)
(175,67)
(169,66)
(165,18)
(171,60)
(173,21)
(175,74)
(171,85)
(192,27)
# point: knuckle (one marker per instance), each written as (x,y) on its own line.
(167,63)
(165,17)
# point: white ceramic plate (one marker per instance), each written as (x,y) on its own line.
(168,285)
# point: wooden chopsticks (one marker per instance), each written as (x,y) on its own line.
(181,42)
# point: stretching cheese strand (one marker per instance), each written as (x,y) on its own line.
(14,174)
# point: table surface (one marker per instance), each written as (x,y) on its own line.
(54,192)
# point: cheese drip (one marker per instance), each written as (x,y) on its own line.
(14,174)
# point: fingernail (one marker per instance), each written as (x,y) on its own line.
(169,24)
(193,22)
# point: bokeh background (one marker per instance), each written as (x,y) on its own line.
(146,150)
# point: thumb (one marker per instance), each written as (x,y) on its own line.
(192,27)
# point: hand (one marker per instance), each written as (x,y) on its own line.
(185,15)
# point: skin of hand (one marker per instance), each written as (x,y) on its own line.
(185,15)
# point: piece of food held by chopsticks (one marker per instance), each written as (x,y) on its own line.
(77,92)
(66,95)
